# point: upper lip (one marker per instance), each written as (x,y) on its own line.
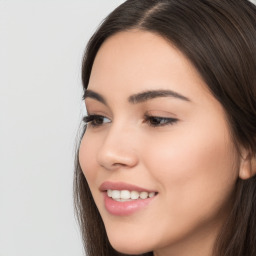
(122,186)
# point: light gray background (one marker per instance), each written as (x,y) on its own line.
(41,46)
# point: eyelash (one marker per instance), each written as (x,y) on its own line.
(91,119)
(153,121)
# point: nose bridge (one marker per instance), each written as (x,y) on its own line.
(118,147)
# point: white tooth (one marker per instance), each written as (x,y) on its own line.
(143,195)
(125,194)
(115,194)
(151,194)
(109,192)
(135,195)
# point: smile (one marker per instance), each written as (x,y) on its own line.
(122,199)
(126,195)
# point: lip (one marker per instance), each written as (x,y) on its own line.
(126,208)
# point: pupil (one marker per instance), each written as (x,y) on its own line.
(99,120)
(155,120)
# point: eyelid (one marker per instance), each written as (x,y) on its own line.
(160,113)
(91,118)
(97,120)
(159,121)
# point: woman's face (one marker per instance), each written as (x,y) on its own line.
(156,128)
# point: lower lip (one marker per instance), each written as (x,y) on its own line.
(125,208)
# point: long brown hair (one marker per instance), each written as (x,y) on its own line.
(219,38)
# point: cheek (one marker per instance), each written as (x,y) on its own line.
(191,170)
(87,151)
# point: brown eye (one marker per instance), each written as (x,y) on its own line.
(156,121)
(95,120)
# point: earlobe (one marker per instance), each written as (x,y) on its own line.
(247,166)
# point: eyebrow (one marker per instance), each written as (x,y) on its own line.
(94,95)
(148,95)
(139,97)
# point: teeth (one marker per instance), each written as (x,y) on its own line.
(143,195)
(116,194)
(109,193)
(126,195)
(135,195)
(151,194)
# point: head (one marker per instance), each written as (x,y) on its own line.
(177,97)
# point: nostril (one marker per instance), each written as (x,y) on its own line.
(119,164)
(112,158)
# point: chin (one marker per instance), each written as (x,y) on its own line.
(129,249)
(133,247)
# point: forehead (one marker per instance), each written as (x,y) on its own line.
(135,60)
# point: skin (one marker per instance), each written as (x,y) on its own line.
(192,163)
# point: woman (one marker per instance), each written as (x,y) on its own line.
(166,163)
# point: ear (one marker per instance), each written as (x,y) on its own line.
(247,164)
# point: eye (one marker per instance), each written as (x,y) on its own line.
(95,120)
(157,121)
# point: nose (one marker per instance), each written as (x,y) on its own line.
(118,149)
